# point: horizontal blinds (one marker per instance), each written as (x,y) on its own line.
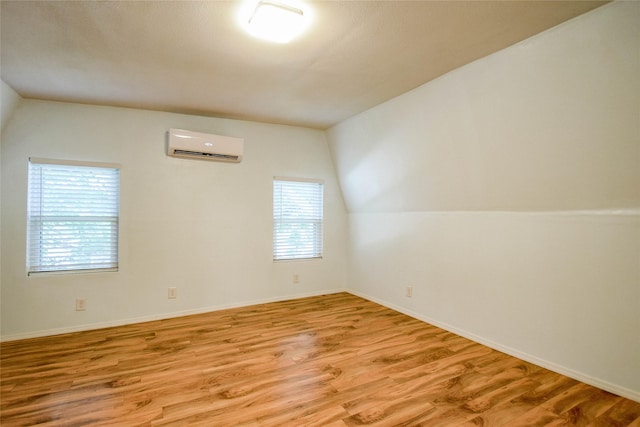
(73,215)
(297,215)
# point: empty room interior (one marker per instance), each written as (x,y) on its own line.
(403,213)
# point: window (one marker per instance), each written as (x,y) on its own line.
(73,211)
(297,218)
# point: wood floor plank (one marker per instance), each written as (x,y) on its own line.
(538,417)
(334,360)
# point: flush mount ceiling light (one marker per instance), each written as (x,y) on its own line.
(277,21)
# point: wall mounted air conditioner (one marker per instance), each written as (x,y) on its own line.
(196,145)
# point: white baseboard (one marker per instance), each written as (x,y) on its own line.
(587,379)
(169,315)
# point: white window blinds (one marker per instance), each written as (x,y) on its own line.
(297,219)
(73,212)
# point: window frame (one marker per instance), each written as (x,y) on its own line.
(35,264)
(318,220)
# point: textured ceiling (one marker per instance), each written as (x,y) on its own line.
(193,57)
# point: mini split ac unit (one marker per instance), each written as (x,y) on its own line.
(195,145)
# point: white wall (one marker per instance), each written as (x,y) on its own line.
(9,100)
(8,103)
(204,227)
(507,193)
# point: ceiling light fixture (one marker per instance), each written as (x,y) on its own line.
(277,21)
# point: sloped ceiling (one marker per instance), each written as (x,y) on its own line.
(193,57)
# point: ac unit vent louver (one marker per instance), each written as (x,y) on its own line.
(196,145)
(201,154)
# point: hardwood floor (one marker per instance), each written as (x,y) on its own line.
(334,360)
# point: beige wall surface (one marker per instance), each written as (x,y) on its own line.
(507,194)
(8,103)
(201,226)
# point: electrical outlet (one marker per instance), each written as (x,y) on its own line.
(409,291)
(296,278)
(173,293)
(81,304)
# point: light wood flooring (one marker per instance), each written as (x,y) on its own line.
(333,360)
